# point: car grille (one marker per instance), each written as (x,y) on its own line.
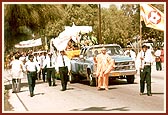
(124,66)
(121,66)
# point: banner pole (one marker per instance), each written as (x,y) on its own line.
(140,31)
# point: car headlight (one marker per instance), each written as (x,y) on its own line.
(132,64)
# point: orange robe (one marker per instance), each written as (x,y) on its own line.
(104,65)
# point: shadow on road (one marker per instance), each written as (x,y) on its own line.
(111,82)
(39,93)
(157,93)
(102,109)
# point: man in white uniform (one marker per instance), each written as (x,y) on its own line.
(145,61)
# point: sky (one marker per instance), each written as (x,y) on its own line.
(106,5)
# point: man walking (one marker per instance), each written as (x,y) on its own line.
(43,68)
(50,63)
(32,68)
(63,66)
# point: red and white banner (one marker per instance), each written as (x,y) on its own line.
(29,43)
(152,17)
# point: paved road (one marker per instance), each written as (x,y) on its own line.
(121,97)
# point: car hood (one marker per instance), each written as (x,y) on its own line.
(117,58)
(120,58)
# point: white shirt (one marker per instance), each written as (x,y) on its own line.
(42,61)
(31,66)
(60,62)
(22,58)
(47,62)
(37,59)
(147,58)
(158,53)
(16,70)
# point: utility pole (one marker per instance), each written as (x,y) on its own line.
(100,36)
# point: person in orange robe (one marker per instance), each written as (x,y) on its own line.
(104,65)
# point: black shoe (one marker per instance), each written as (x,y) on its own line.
(54,84)
(149,94)
(62,89)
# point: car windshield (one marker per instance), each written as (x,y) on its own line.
(111,50)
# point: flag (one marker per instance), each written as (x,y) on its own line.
(61,43)
(152,17)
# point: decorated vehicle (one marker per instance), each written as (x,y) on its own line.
(83,67)
(73,53)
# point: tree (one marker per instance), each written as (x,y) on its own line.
(118,25)
(115,26)
(26,19)
(81,15)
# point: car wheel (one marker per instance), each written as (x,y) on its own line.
(92,80)
(130,79)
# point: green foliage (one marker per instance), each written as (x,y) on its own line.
(117,25)
(28,19)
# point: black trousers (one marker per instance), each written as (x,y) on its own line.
(64,76)
(31,76)
(158,66)
(145,75)
(44,70)
(51,74)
